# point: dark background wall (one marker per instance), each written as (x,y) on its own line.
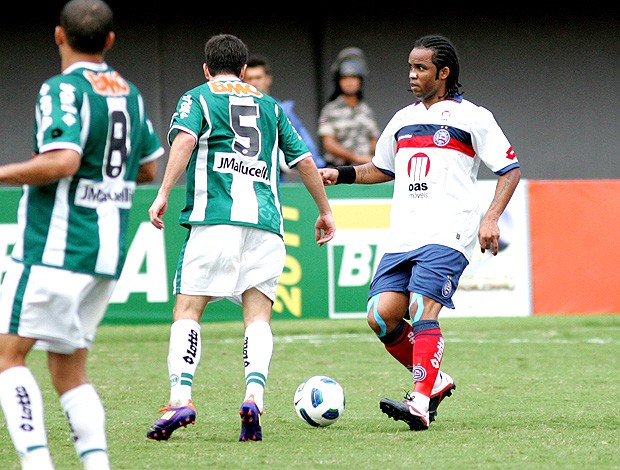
(551,78)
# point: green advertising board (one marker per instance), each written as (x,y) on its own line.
(317,282)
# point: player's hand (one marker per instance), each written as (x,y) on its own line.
(157,211)
(325,228)
(488,236)
(329,176)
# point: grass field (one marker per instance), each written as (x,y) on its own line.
(535,392)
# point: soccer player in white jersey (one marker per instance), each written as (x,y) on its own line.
(432,150)
(226,135)
(93,142)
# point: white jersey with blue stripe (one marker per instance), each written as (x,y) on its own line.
(434,155)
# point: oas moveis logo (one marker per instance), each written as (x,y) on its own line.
(418,166)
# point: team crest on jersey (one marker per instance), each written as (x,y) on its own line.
(108,83)
(441,137)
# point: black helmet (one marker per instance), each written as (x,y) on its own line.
(350,61)
(352,67)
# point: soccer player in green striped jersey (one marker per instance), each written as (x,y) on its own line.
(226,136)
(93,143)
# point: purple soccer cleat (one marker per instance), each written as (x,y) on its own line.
(250,422)
(172,419)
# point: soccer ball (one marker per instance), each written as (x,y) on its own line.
(319,401)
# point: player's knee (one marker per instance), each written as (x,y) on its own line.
(372,323)
(374,318)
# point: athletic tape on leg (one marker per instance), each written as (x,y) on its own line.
(420,300)
(373,305)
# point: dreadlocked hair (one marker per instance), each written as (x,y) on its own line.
(444,55)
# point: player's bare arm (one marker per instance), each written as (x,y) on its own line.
(147,172)
(488,234)
(44,168)
(367,173)
(370,174)
(325,227)
(180,153)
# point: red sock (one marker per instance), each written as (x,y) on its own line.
(399,343)
(427,354)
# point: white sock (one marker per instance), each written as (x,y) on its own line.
(38,459)
(257,352)
(96,461)
(22,403)
(86,416)
(184,353)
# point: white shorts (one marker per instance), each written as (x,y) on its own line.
(224,261)
(59,308)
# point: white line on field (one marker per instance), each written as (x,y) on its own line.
(364,338)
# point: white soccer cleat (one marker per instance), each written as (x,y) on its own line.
(442,388)
(413,411)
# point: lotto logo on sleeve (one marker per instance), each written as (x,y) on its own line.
(510,154)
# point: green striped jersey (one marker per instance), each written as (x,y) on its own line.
(233,173)
(79,223)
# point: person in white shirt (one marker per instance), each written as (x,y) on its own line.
(432,150)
